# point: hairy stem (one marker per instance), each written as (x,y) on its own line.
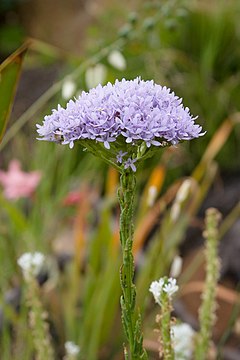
(131,320)
(38,322)
(165,327)
(207,312)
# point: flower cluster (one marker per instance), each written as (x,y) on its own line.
(31,264)
(183,341)
(127,113)
(163,285)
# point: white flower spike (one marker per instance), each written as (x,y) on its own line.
(183,341)
(117,60)
(163,285)
(95,75)
(176,266)
(71,348)
(31,264)
(68,89)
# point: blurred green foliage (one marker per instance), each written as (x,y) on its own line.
(9,76)
(192,47)
(11,36)
(12,32)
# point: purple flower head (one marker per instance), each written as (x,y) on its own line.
(122,117)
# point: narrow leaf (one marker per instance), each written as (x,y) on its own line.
(9,76)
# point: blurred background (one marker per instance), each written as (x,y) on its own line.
(70,212)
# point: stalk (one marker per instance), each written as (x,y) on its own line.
(38,322)
(207,311)
(131,320)
(165,327)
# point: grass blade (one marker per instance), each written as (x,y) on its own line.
(9,75)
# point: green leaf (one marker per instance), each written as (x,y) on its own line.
(9,76)
(16,216)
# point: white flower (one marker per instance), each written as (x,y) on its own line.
(95,75)
(175,211)
(152,194)
(117,60)
(165,285)
(170,287)
(183,191)
(31,264)
(176,266)
(68,89)
(183,341)
(156,289)
(71,348)
(181,196)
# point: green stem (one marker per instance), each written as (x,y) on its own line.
(131,321)
(207,311)
(38,322)
(165,327)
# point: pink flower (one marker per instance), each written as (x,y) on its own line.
(16,183)
(73,198)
